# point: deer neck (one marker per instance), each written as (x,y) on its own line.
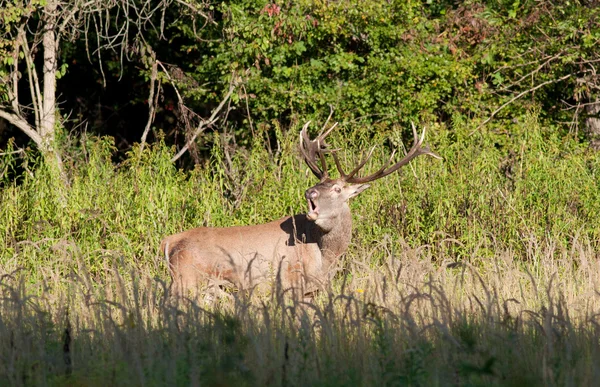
(334,236)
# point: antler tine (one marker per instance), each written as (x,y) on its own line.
(328,118)
(416,150)
(359,166)
(310,149)
(307,148)
(323,135)
(337,164)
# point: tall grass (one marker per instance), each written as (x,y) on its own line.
(480,269)
(410,321)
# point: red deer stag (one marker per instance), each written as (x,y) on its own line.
(301,251)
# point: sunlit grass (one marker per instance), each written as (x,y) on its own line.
(408,321)
(480,269)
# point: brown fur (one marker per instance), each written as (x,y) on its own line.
(296,251)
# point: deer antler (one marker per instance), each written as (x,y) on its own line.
(416,150)
(311,149)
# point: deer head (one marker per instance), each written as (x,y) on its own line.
(330,196)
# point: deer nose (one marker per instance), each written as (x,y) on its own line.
(311,193)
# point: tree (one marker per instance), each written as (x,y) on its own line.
(28,100)
(17,47)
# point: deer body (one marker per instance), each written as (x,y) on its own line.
(300,251)
(246,255)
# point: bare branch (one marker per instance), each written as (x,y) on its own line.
(20,150)
(519,65)
(517,97)
(151,102)
(66,20)
(117,25)
(99,53)
(530,74)
(14,93)
(578,105)
(20,123)
(205,123)
(34,84)
(196,10)
(171,80)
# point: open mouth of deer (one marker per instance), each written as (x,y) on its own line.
(313,210)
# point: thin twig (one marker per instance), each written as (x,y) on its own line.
(532,72)
(204,15)
(205,123)
(506,67)
(579,105)
(248,110)
(20,150)
(517,97)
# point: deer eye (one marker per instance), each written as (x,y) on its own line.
(337,189)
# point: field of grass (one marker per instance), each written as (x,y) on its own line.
(481,269)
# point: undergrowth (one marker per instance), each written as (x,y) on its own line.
(478,269)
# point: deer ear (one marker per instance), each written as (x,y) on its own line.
(356,189)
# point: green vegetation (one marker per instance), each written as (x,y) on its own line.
(397,61)
(479,269)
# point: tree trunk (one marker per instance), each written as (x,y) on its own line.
(47,127)
(48,121)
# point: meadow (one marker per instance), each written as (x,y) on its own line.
(480,269)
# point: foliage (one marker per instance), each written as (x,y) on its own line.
(397,61)
(370,61)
